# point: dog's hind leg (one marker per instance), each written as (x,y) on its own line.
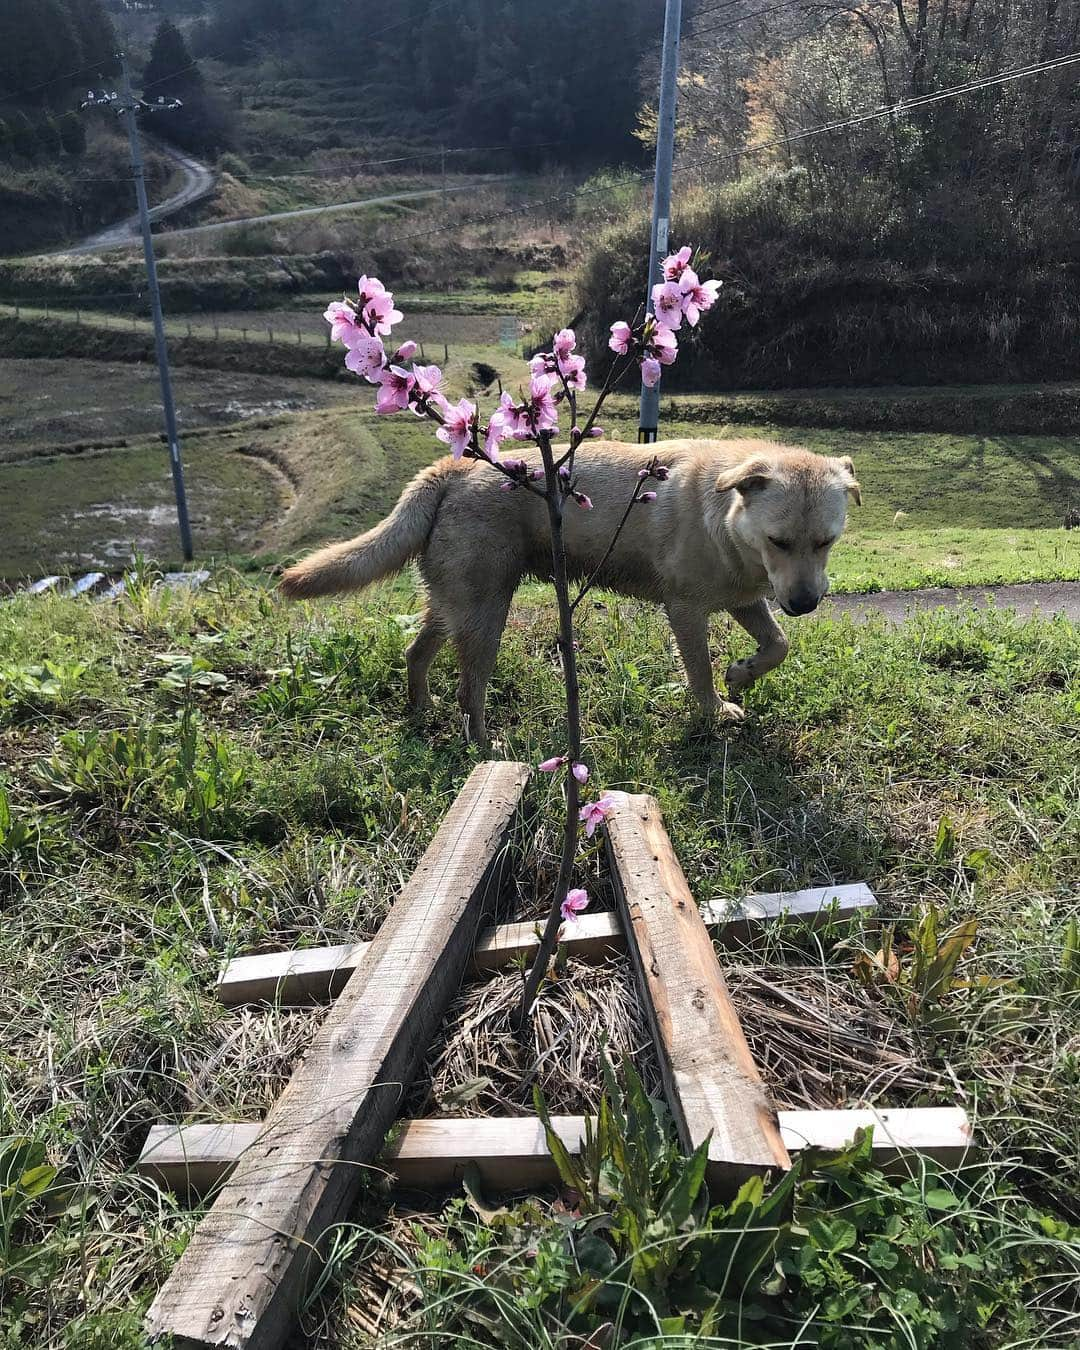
(418,658)
(760,622)
(476,635)
(690,624)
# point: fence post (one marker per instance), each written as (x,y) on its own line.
(298,338)
(270,334)
(445,354)
(217,333)
(244,331)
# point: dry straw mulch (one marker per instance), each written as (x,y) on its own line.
(819,1039)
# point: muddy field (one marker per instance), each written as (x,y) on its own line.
(58,403)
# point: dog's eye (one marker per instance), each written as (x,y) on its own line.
(782,544)
(824,543)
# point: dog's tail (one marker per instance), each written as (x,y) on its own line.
(378,553)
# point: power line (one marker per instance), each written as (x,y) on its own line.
(899,109)
(57,79)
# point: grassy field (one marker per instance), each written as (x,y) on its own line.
(188,777)
(940,509)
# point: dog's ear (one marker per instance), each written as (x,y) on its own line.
(750,476)
(851,482)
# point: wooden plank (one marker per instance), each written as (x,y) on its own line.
(42,585)
(84,584)
(512,1154)
(247,1263)
(184,581)
(113,592)
(318,973)
(712,1083)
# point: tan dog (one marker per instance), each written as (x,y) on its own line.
(736,521)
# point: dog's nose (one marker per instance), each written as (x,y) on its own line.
(803,602)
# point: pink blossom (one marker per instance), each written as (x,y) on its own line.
(596,431)
(576,900)
(366,358)
(661,473)
(514,465)
(622,338)
(580,772)
(369,287)
(395,385)
(572,369)
(698,296)
(564,344)
(542,412)
(650,372)
(345,325)
(540,364)
(405,351)
(428,379)
(537,474)
(647,497)
(550,765)
(380,314)
(458,426)
(667,300)
(663,345)
(677,263)
(584,501)
(595,813)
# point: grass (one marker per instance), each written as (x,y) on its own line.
(973,510)
(189,777)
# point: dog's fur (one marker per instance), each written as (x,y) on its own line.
(707,543)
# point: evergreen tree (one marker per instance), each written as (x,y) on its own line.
(72,133)
(38,42)
(23,136)
(96,36)
(48,135)
(170,71)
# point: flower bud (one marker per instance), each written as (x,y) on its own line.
(406,350)
(647,497)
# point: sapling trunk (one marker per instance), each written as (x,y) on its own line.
(556,502)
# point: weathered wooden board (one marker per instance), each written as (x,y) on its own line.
(712,1084)
(316,974)
(239,1279)
(512,1154)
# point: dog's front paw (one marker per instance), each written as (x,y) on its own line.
(739,676)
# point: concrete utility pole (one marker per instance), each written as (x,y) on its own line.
(127,105)
(649,417)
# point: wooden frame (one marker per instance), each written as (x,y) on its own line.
(247,1263)
(712,1084)
(512,1153)
(315,974)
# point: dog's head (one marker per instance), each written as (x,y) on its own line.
(789,508)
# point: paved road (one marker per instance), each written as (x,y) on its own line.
(1044,598)
(198,183)
(118,236)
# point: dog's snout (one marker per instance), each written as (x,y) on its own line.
(803,602)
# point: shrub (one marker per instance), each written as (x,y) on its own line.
(859,285)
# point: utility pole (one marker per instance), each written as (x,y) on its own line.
(649,417)
(127,106)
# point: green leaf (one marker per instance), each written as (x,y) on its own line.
(836,1235)
(37,1180)
(679,1200)
(595,1255)
(881,1256)
(940,1198)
